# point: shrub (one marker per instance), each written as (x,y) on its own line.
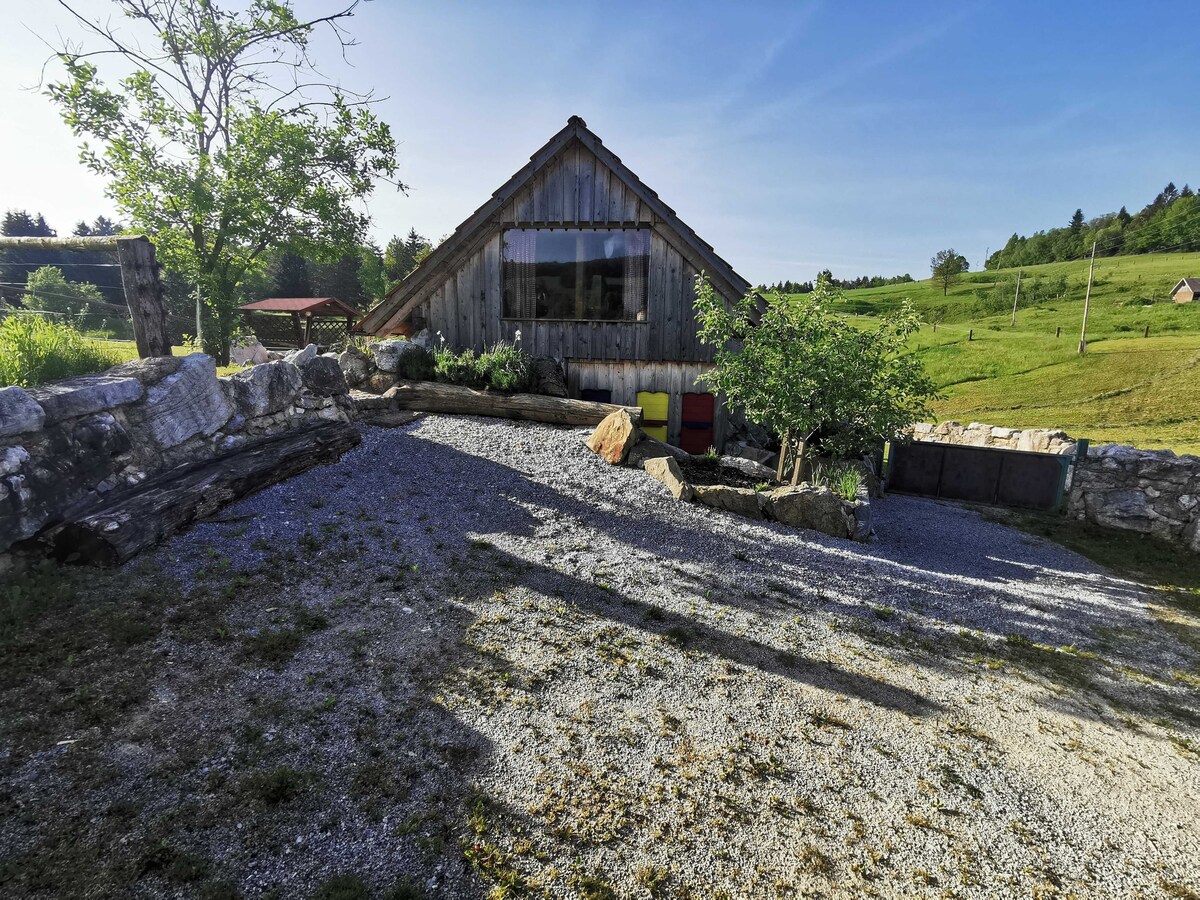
(457,368)
(416,364)
(843,480)
(506,367)
(34,350)
(49,290)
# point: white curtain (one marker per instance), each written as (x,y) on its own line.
(520,276)
(637,252)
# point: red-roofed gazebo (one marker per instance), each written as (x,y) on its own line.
(292,322)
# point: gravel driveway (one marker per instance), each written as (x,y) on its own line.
(471,658)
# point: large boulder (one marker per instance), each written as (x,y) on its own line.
(379,382)
(818,508)
(183,405)
(323,376)
(666,470)
(150,370)
(356,366)
(388,353)
(299,357)
(85,394)
(548,377)
(615,437)
(265,389)
(651,448)
(740,500)
(19,412)
(254,354)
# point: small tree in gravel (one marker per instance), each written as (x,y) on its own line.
(803,370)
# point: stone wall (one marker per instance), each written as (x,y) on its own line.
(1152,492)
(65,446)
(1039,440)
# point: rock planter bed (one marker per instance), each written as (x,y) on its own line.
(732,484)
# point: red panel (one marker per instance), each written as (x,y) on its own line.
(696,433)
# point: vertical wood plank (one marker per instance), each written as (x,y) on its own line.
(585,176)
(554,187)
(600,181)
(616,199)
(672,332)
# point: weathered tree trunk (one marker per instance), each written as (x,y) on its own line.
(430,396)
(144,294)
(170,502)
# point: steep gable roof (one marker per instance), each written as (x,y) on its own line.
(1193,283)
(327,305)
(404,297)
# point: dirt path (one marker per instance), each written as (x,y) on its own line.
(472,658)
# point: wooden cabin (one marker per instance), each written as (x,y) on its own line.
(587,265)
(1186,290)
(287,323)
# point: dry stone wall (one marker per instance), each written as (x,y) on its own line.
(1152,492)
(65,447)
(1037,440)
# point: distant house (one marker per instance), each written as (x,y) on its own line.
(580,258)
(1186,290)
(289,322)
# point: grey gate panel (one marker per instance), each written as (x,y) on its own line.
(979,474)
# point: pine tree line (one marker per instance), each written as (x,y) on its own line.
(1169,222)
(862,281)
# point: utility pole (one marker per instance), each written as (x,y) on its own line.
(1087,302)
(199,327)
(1016,296)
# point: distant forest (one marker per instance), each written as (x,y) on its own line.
(1171,221)
(847,284)
(85,282)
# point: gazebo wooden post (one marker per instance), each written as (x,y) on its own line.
(296,329)
(308,317)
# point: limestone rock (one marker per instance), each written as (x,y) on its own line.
(380,382)
(356,366)
(323,377)
(148,371)
(422,339)
(299,357)
(747,467)
(185,404)
(250,355)
(614,437)
(265,389)
(805,506)
(19,412)
(388,353)
(666,470)
(85,394)
(650,448)
(740,500)
(13,459)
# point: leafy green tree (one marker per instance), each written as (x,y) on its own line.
(804,370)
(947,267)
(48,290)
(224,141)
(289,275)
(372,278)
(403,255)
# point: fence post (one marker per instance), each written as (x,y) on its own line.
(144,294)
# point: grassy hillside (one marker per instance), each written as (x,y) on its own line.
(1127,388)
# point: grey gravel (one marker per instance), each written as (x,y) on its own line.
(554,671)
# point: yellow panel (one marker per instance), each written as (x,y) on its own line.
(655,405)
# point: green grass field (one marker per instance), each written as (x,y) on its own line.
(1128,388)
(124,351)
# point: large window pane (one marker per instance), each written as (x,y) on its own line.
(593,274)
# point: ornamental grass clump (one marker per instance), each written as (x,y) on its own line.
(502,367)
(35,350)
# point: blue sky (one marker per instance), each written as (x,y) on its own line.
(862,136)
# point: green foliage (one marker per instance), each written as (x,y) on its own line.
(804,370)
(215,152)
(34,350)
(506,367)
(947,267)
(417,364)
(405,254)
(502,367)
(47,289)
(844,480)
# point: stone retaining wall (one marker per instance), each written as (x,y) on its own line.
(1039,440)
(1152,492)
(65,446)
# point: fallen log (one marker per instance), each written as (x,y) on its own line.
(173,500)
(432,396)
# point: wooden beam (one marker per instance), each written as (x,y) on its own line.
(144,295)
(171,501)
(84,244)
(431,396)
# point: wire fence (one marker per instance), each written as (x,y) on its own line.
(109,324)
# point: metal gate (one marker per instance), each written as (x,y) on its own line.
(979,474)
